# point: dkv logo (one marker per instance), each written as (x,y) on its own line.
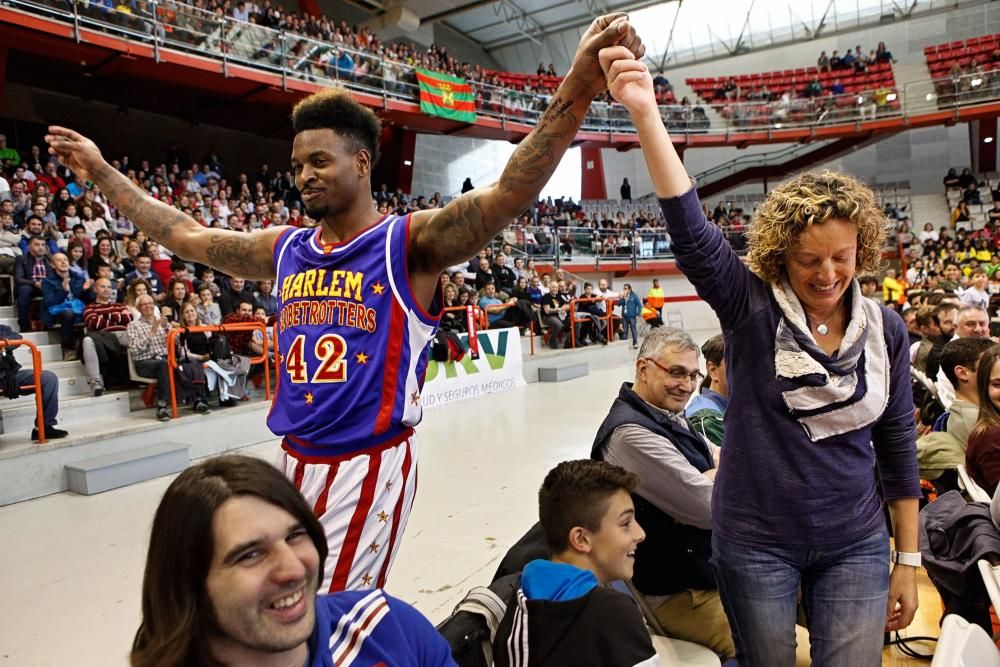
(494,358)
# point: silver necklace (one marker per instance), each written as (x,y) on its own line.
(821,328)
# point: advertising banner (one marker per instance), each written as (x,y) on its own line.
(498,368)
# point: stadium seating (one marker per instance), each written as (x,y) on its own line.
(941,57)
(794,81)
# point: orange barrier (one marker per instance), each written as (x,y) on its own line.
(609,305)
(472,314)
(36,369)
(221,328)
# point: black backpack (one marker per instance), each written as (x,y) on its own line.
(8,374)
(472,627)
(220,348)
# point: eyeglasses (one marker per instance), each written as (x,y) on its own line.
(678,374)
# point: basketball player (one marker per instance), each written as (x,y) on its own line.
(353,293)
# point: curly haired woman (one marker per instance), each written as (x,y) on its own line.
(819,399)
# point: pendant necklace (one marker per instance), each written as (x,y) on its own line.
(821,328)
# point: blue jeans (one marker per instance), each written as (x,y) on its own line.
(628,323)
(845,592)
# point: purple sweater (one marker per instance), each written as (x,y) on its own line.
(774,485)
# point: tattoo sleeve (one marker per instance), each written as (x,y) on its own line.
(466,224)
(534,161)
(246,255)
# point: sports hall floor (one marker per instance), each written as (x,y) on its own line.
(71,566)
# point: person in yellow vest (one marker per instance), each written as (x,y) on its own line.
(654,299)
(892,289)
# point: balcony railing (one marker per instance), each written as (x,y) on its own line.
(172,25)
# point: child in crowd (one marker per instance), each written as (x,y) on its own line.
(564,613)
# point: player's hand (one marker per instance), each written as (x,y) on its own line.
(628,79)
(607,30)
(75,151)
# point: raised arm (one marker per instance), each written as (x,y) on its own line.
(456,232)
(703,254)
(631,84)
(241,254)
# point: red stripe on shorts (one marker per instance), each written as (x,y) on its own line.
(396,514)
(346,558)
(300,469)
(320,509)
(390,377)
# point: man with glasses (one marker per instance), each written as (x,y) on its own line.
(647,433)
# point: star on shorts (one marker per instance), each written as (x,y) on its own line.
(383,517)
(415,398)
(366,579)
(373,547)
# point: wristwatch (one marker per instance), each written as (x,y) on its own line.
(905,558)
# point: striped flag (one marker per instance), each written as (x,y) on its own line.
(446,96)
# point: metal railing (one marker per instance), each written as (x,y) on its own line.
(36,385)
(220,329)
(291,56)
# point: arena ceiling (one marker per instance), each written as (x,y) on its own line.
(677,31)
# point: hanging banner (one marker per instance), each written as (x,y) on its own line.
(498,368)
(446,96)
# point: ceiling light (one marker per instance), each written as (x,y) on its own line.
(929,96)
(891,97)
(988,140)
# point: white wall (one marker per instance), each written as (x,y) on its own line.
(440,163)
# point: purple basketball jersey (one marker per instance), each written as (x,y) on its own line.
(351,341)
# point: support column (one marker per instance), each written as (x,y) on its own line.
(395,166)
(592,185)
(983,145)
(310,7)
(3,75)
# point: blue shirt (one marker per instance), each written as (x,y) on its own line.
(777,486)
(491,301)
(363,628)
(707,400)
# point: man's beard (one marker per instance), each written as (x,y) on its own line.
(318,213)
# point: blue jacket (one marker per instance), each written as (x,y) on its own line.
(631,306)
(53,294)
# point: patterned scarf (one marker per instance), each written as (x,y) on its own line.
(831,395)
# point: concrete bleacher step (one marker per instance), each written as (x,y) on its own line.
(19,415)
(113,471)
(50,352)
(563,371)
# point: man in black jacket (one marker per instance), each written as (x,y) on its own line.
(646,433)
(30,269)
(503,276)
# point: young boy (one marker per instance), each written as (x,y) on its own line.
(564,615)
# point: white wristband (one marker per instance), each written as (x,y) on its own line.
(905,558)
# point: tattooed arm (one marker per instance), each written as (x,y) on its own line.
(453,234)
(240,254)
